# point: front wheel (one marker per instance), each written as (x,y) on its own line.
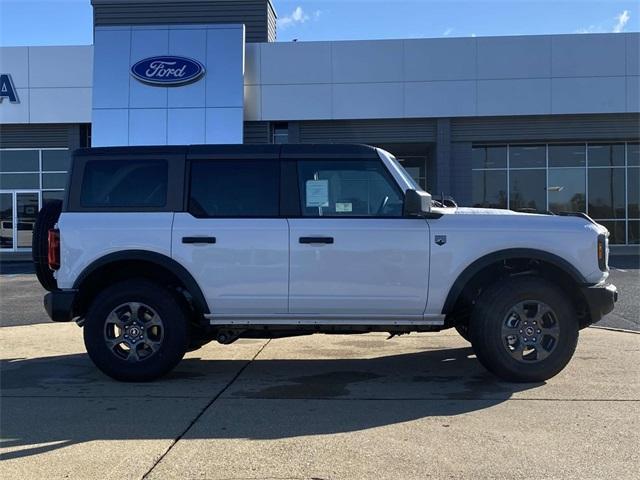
(524,329)
(136,331)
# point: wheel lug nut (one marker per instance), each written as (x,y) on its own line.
(539,331)
(534,339)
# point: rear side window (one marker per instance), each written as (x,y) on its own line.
(124,183)
(235,188)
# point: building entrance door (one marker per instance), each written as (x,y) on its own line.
(18,212)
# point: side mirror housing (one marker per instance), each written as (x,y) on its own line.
(416,203)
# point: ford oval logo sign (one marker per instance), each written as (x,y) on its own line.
(167,71)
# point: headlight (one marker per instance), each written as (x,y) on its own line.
(603,252)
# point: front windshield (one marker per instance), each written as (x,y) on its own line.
(405,175)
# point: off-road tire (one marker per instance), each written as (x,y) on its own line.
(463,330)
(489,315)
(175,330)
(46,219)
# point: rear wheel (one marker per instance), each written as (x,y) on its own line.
(136,331)
(524,329)
(46,219)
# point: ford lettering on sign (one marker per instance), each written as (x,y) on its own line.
(167,71)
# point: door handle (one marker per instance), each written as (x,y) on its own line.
(197,240)
(310,240)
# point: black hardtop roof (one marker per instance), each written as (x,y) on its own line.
(302,150)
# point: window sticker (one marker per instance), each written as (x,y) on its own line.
(317,193)
(344,207)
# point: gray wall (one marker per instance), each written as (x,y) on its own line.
(41,136)
(258,16)
(444,77)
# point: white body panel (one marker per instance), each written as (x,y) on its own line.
(246,271)
(473,233)
(374,266)
(86,237)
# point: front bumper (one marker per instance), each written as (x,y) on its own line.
(59,305)
(600,300)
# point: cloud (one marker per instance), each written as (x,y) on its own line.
(447,32)
(298,16)
(621,21)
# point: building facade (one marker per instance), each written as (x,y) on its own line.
(535,123)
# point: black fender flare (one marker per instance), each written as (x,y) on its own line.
(508,254)
(158,259)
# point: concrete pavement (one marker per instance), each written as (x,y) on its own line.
(330,407)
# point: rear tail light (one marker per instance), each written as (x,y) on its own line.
(53,255)
(603,254)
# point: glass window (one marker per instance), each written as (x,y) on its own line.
(489,157)
(616,230)
(567,155)
(16,181)
(634,232)
(606,155)
(527,190)
(54,195)
(489,188)
(26,213)
(235,188)
(567,190)
(124,183)
(54,180)
(527,156)
(56,160)
(19,160)
(416,168)
(280,133)
(6,220)
(633,192)
(633,154)
(360,188)
(606,193)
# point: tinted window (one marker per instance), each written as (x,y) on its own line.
(489,188)
(606,193)
(358,188)
(527,156)
(124,183)
(566,156)
(527,190)
(235,188)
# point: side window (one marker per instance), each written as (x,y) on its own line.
(124,183)
(347,188)
(235,188)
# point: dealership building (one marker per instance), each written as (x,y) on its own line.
(540,123)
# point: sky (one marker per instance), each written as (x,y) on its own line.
(69,22)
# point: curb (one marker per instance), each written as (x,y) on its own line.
(613,329)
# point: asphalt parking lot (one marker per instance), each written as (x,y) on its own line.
(317,407)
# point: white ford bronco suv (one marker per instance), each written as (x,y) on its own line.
(158,250)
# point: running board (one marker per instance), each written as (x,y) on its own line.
(288,319)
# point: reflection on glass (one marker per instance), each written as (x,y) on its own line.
(489,188)
(527,190)
(6,220)
(19,161)
(616,230)
(633,192)
(606,193)
(567,155)
(26,212)
(634,232)
(567,190)
(489,157)
(633,154)
(54,180)
(606,155)
(527,156)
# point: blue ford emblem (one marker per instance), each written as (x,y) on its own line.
(167,71)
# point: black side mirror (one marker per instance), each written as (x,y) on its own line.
(416,203)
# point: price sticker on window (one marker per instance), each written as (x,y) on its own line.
(317,193)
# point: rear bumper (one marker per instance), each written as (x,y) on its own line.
(600,300)
(59,305)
